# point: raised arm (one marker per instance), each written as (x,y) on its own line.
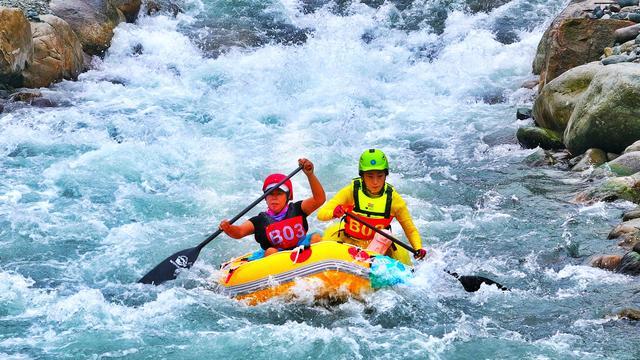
(318,196)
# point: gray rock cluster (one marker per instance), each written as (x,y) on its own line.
(620,10)
(32,8)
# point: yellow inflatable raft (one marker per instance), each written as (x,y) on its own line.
(332,270)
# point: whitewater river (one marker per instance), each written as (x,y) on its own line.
(176,127)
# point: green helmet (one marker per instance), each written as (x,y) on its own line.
(373,159)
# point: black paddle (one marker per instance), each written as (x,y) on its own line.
(169,268)
(469,282)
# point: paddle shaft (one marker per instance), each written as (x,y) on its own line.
(184,259)
(246,210)
(388,236)
(471,283)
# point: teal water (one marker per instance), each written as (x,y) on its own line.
(150,150)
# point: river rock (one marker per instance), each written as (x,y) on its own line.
(16,48)
(626,33)
(616,59)
(572,40)
(523,113)
(57,53)
(631,214)
(158,6)
(631,314)
(629,240)
(555,103)
(42,102)
(626,228)
(625,164)
(629,46)
(631,9)
(92,20)
(607,262)
(633,147)
(607,115)
(630,262)
(476,6)
(611,189)
(591,158)
(25,95)
(531,137)
(129,8)
(625,3)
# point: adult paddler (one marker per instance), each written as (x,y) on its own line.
(377,202)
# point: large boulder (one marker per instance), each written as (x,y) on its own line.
(16,49)
(92,20)
(607,116)
(57,53)
(554,105)
(572,39)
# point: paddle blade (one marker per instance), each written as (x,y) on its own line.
(171,266)
(472,283)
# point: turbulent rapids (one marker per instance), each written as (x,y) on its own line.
(175,128)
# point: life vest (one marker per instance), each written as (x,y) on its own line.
(286,233)
(283,234)
(375,211)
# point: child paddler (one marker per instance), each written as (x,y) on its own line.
(283,226)
(372,198)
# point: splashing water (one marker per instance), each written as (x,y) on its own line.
(175,128)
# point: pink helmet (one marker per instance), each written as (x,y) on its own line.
(273,179)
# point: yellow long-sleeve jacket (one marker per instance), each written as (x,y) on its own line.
(398,210)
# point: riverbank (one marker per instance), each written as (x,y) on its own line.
(588,106)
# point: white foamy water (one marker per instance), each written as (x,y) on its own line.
(151,149)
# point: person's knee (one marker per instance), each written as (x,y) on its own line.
(270,251)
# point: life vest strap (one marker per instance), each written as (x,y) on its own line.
(357,185)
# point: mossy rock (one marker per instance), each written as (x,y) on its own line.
(531,137)
(626,164)
(608,114)
(615,188)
